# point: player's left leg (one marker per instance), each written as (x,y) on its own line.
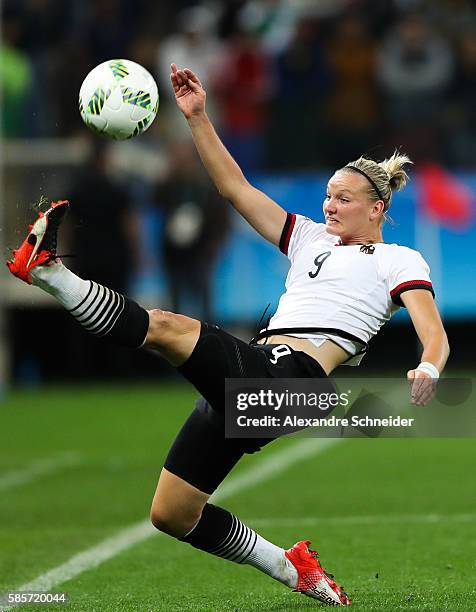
(181,510)
(199,460)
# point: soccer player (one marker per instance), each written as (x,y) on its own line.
(344,283)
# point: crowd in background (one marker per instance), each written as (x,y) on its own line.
(291,83)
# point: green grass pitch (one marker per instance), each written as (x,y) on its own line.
(394,519)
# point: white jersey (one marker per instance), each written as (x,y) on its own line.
(345,292)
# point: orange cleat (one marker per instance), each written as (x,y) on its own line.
(312,579)
(39,247)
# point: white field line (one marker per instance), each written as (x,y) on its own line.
(263,470)
(38,469)
(396,519)
(273,464)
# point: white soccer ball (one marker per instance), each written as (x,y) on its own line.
(118,98)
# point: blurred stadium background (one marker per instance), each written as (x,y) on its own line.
(296,89)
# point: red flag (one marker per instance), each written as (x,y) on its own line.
(444,198)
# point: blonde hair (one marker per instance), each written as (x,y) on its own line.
(384,177)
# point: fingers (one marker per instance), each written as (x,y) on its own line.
(177,77)
(422,387)
(173,77)
(193,86)
(427,395)
(192,76)
(184,77)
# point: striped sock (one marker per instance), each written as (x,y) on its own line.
(101,311)
(221,533)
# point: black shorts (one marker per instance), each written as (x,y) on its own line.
(201,455)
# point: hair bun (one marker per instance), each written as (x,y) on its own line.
(393,166)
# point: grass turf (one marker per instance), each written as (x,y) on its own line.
(393,518)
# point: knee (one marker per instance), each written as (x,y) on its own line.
(159,325)
(174,520)
(174,336)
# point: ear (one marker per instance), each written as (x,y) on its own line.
(377,210)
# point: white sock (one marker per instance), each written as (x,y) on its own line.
(243,545)
(61,283)
(271,560)
(98,309)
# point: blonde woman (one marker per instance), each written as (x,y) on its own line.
(344,283)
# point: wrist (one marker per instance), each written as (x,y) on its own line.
(430,369)
(197,118)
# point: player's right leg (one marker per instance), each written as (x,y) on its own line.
(99,310)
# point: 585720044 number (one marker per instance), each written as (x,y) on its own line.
(32,597)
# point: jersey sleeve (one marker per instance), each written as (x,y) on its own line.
(408,271)
(298,231)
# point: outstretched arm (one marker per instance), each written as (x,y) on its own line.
(261,212)
(427,322)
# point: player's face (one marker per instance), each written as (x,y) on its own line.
(347,209)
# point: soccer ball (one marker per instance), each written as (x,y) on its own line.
(118,98)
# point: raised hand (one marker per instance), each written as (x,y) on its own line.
(189,93)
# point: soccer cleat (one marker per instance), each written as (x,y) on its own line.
(312,579)
(39,247)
